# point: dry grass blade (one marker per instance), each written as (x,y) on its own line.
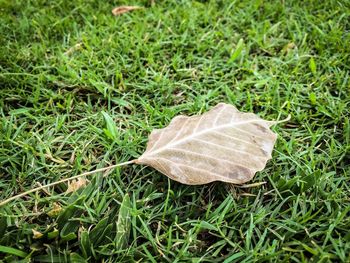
(119,10)
(74,185)
(71,50)
(37,234)
(252,185)
(223,144)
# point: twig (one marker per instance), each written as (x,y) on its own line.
(64,180)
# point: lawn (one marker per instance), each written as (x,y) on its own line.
(67,68)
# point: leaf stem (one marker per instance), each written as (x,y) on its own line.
(64,180)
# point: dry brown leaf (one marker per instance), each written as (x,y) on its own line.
(223,144)
(124,9)
(76,184)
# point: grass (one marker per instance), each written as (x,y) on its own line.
(68,69)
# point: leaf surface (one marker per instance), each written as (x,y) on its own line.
(223,144)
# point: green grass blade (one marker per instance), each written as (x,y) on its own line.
(123,223)
(111,130)
(237,51)
(13,251)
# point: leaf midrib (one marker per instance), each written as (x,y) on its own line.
(193,135)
